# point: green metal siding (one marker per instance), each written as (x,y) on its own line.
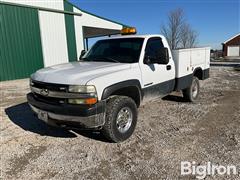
(20,42)
(70,33)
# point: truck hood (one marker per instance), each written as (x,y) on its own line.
(77,73)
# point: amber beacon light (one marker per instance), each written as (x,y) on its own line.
(128,30)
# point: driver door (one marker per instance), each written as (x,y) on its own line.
(158,79)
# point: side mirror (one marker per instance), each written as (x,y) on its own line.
(83,52)
(163,56)
(147,60)
(151,60)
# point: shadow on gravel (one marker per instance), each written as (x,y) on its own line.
(174,98)
(96,135)
(22,116)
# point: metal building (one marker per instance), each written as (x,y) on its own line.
(36,34)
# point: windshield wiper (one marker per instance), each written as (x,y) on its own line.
(106,58)
(100,59)
(85,59)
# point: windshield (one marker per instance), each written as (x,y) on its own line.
(122,50)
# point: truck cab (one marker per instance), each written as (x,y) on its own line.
(104,89)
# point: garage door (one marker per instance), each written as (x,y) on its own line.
(233,50)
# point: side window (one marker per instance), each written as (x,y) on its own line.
(153,45)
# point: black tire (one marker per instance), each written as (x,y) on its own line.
(114,106)
(191,93)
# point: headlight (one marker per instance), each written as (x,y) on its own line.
(82,89)
(90,90)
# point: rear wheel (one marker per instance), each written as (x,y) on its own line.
(191,93)
(121,118)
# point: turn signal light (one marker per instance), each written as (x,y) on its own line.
(128,30)
(91,101)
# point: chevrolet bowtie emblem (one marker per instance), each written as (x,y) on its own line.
(44,92)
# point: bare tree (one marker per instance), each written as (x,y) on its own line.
(172,30)
(184,38)
(193,35)
(178,32)
(188,38)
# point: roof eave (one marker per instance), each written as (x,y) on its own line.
(124,25)
(231,38)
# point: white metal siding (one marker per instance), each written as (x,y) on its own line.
(52,4)
(53,36)
(93,21)
(78,34)
(233,51)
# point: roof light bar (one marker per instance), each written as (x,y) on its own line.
(128,30)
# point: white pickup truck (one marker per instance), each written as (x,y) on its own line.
(104,89)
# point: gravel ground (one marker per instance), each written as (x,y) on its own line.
(169,131)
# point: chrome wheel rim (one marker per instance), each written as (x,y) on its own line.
(195,89)
(124,119)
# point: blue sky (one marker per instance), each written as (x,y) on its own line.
(214,20)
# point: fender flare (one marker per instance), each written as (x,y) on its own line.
(129,83)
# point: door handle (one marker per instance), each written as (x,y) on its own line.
(169,67)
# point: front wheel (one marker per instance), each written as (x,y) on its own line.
(191,93)
(121,118)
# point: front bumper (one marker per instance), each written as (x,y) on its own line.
(66,115)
